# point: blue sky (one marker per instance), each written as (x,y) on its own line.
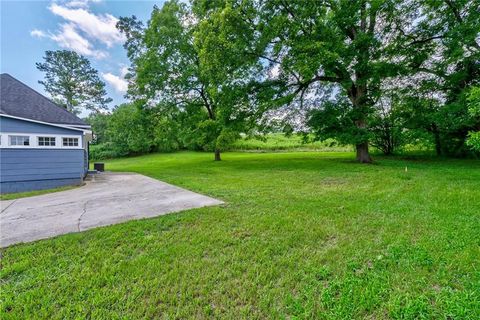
(29,28)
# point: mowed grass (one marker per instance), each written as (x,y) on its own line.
(18,195)
(301,236)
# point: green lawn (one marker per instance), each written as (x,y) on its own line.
(17,195)
(301,236)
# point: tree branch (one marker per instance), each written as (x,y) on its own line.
(326,79)
(207,104)
(454,10)
(420,41)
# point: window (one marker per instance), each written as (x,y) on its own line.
(46,141)
(70,142)
(19,140)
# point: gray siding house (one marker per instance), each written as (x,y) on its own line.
(42,145)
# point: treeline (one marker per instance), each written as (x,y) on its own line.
(132,130)
(380,73)
(128,130)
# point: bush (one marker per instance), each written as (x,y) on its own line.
(474,109)
(105,151)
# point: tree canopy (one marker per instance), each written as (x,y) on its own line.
(179,60)
(72,82)
(381,73)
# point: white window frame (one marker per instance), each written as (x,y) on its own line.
(79,141)
(33,137)
(48,137)
(19,145)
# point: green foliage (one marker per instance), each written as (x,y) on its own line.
(131,130)
(282,142)
(382,73)
(474,109)
(99,123)
(353,47)
(192,59)
(336,120)
(166,131)
(474,140)
(300,236)
(72,81)
(385,73)
(363,50)
(106,150)
(439,90)
(447,124)
(387,125)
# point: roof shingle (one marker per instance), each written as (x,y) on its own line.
(19,100)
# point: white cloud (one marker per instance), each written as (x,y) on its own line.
(117,82)
(98,27)
(124,71)
(82,29)
(38,33)
(69,38)
(79,3)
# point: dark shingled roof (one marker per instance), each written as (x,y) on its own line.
(19,100)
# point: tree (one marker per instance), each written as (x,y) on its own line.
(387,126)
(130,131)
(72,82)
(474,109)
(220,65)
(99,123)
(354,45)
(357,49)
(438,92)
(179,60)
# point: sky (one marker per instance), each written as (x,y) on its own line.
(29,28)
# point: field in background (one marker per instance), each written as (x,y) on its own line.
(269,143)
(280,142)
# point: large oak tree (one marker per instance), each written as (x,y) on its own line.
(354,45)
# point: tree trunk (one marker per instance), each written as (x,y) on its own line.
(363,156)
(438,143)
(358,99)
(217,155)
(362,153)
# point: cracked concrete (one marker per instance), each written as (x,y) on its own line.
(106,199)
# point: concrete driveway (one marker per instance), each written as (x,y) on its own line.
(107,198)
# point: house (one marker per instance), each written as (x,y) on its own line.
(42,145)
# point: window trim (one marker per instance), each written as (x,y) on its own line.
(48,137)
(68,146)
(10,136)
(33,138)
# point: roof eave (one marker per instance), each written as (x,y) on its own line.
(70,126)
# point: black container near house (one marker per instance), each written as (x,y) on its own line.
(99,166)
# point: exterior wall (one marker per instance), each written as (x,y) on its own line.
(34,169)
(17,125)
(26,168)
